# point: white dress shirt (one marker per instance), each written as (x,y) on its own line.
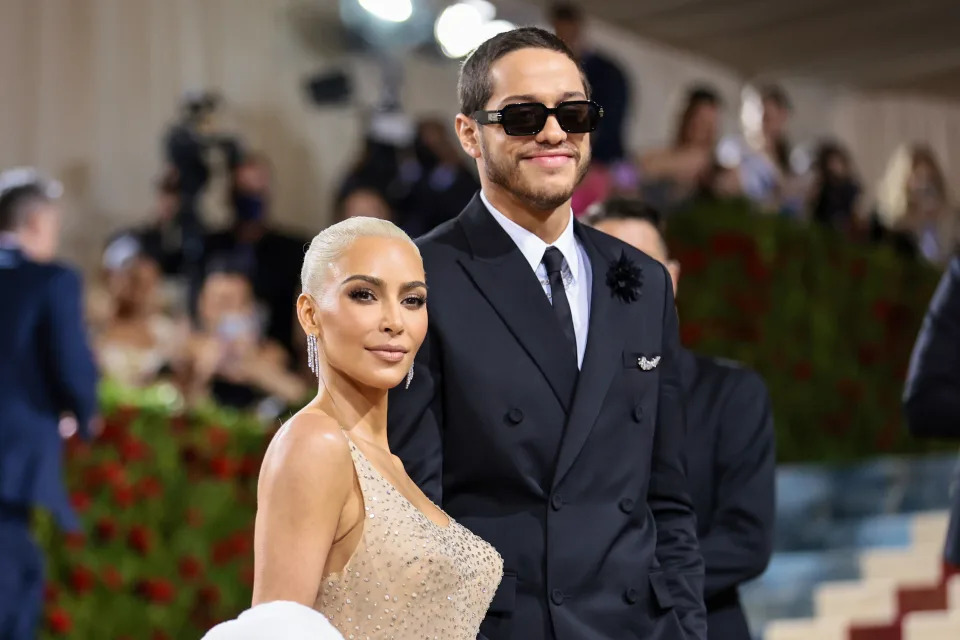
(577,272)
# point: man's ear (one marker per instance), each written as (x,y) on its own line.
(468,132)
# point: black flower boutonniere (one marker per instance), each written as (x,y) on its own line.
(625,279)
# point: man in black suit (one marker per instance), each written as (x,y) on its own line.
(730,445)
(545,411)
(46,371)
(932,397)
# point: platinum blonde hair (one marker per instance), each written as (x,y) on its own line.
(331,243)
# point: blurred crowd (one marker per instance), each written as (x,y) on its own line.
(211,310)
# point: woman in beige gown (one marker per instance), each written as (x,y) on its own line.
(340,526)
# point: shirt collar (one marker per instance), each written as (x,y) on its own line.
(532,247)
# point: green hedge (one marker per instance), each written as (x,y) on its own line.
(168,503)
(829,323)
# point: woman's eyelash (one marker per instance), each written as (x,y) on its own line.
(362,294)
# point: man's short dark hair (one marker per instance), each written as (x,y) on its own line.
(619,208)
(17,203)
(474,88)
(565,12)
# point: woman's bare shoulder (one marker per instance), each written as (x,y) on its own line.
(310,446)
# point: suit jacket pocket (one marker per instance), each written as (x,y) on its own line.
(504,600)
(660,589)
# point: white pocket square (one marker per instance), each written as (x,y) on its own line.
(648,364)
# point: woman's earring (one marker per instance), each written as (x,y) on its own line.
(313,355)
(409,377)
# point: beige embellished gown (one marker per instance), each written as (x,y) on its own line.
(409,577)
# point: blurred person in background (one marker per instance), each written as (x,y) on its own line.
(730,445)
(610,170)
(686,170)
(914,208)
(932,395)
(161,238)
(765,173)
(268,257)
(229,358)
(445,184)
(836,193)
(136,343)
(362,201)
(46,371)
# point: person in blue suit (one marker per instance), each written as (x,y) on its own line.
(730,445)
(47,374)
(931,400)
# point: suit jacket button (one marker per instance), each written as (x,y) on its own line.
(515,416)
(556,502)
(637,413)
(631,595)
(626,505)
(556,596)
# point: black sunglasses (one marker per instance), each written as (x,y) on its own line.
(529,118)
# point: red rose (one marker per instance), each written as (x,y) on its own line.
(222,552)
(80,501)
(690,334)
(139,539)
(112,578)
(157,591)
(803,371)
(114,473)
(249,467)
(82,579)
(208,595)
(124,496)
(59,622)
(222,467)
(194,517)
(74,540)
(150,487)
(179,423)
(105,530)
(50,593)
(132,449)
(190,568)
(218,437)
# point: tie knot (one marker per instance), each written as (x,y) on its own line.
(553,260)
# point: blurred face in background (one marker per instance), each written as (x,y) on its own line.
(541,170)
(775,119)
(702,125)
(227,307)
(167,205)
(134,286)
(365,203)
(39,236)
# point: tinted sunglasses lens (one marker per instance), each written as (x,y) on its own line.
(578,117)
(523,119)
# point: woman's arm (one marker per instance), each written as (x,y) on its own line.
(306,479)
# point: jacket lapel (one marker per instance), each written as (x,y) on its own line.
(610,320)
(505,279)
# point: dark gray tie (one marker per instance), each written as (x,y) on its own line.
(553,261)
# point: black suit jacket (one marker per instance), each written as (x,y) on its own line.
(575,479)
(731,457)
(46,368)
(932,395)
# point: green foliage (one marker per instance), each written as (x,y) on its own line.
(828,323)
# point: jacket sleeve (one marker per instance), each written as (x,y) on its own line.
(739,542)
(71,359)
(668,497)
(932,394)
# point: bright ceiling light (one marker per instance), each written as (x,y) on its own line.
(389,10)
(463,27)
(457,29)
